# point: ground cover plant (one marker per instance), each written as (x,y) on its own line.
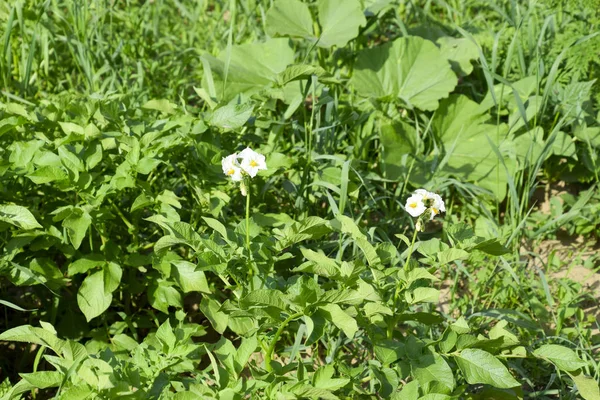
(287,199)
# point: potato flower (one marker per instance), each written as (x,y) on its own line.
(252,162)
(238,166)
(423,202)
(231,167)
(415,206)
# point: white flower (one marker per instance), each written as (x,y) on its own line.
(231,167)
(252,162)
(422,201)
(423,193)
(415,206)
(437,206)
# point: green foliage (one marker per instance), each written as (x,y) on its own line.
(130,267)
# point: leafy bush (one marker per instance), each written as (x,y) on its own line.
(132,267)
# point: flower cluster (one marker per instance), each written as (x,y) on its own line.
(424,203)
(246,163)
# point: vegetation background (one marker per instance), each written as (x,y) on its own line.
(130,267)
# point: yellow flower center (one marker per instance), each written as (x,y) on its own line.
(253,163)
(231,171)
(413,205)
(435,210)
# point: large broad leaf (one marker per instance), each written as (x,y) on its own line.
(398,140)
(188,278)
(431,367)
(472,148)
(410,68)
(340,21)
(563,357)
(460,52)
(92,299)
(340,318)
(587,386)
(251,68)
(31,334)
(289,18)
(162,296)
(479,366)
(18,216)
(231,116)
(77,225)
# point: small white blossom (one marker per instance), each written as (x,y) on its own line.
(252,162)
(424,201)
(231,168)
(423,193)
(437,206)
(415,206)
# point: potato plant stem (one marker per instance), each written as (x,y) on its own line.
(398,285)
(250,269)
(271,348)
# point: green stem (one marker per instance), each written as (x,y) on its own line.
(410,250)
(250,261)
(248,221)
(271,348)
(398,286)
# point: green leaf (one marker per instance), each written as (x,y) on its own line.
(165,335)
(460,326)
(264,298)
(231,116)
(564,358)
(14,306)
(479,366)
(388,351)
(86,263)
(18,216)
(347,225)
(77,225)
(460,52)
(162,105)
(322,379)
(244,352)
(294,73)
(210,309)
(146,165)
(410,391)
(44,379)
(340,21)
(341,319)
(69,128)
(289,18)
(188,278)
(423,295)
(162,295)
(452,254)
(112,276)
(30,334)
(432,367)
(397,139)
(416,274)
(410,68)
(70,160)
(47,174)
(588,135)
(91,297)
(587,386)
(251,68)
(93,155)
(319,264)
